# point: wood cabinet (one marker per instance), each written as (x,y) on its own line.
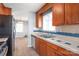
(66,52)
(68,14)
(1,8)
(37,45)
(40,47)
(7,11)
(44,48)
(50,51)
(39,14)
(4,10)
(75,13)
(71,13)
(46,7)
(58,14)
(63,13)
(39,20)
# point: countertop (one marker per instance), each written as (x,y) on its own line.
(73,47)
(3,39)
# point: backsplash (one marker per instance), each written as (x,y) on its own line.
(69,29)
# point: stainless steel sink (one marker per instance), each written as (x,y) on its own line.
(46,35)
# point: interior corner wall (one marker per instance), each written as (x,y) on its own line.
(31,25)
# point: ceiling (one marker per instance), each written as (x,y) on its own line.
(23,9)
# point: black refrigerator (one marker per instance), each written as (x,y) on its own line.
(7,30)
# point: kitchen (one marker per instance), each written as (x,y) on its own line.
(49,29)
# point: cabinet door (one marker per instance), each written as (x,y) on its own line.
(72,13)
(1,9)
(68,13)
(43,48)
(50,52)
(65,52)
(39,20)
(58,14)
(4,10)
(37,46)
(7,11)
(75,13)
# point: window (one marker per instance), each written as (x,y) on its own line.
(47,21)
(19,27)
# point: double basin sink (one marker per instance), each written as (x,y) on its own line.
(46,36)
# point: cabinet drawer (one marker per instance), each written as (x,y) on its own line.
(66,52)
(50,51)
(42,42)
(52,46)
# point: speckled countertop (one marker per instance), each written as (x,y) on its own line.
(66,42)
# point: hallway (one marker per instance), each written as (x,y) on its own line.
(21,48)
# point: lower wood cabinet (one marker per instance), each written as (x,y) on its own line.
(44,48)
(40,46)
(37,45)
(50,51)
(66,52)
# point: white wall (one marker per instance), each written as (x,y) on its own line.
(31,25)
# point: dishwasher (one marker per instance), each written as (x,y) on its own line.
(33,41)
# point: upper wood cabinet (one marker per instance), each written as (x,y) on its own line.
(4,10)
(7,11)
(58,14)
(69,14)
(72,13)
(75,13)
(39,14)
(1,8)
(39,20)
(63,13)
(45,8)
